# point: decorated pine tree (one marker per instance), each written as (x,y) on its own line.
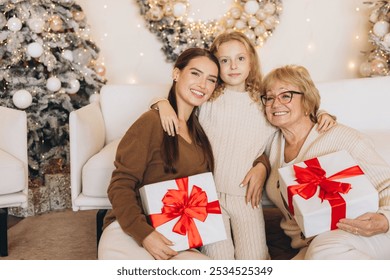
(378,58)
(48,67)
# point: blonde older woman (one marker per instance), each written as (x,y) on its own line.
(291,101)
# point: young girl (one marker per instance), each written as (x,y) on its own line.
(234,121)
(147,155)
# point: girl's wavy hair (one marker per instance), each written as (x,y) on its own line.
(299,77)
(170,146)
(254,79)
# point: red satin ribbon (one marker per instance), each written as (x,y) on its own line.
(177,203)
(312,176)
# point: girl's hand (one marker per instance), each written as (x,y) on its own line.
(325,122)
(254,182)
(368,224)
(168,117)
(158,246)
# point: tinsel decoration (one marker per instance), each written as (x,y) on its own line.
(47,68)
(169,21)
(378,59)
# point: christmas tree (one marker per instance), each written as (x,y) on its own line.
(378,59)
(48,67)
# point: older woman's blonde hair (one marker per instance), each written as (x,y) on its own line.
(299,77)
(253,82)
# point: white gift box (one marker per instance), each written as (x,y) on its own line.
(202,204)
(314,215)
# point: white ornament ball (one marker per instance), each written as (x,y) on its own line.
(68,55)
(235,12)
(381,28)
(270,8)
(253,22)
(269,22)
(240,24)
(260,30)
(22,99)
(229,22)
(35,49)
(53,84)
(250,34)
(179,9)
(386,40)
(36,25)
(14,24)
(74,86)
(251,7)
(261,14)
(94,98)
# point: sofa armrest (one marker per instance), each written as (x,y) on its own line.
(13,140)
(86,137)
(13,131)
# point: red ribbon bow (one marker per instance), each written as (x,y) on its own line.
(312,176)
(177,203)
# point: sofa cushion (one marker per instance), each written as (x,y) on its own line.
(12,174)
(97,171)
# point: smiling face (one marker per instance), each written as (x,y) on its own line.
(196,82)
(234,61)
(285,115)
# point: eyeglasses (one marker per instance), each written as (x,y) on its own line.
(283,97)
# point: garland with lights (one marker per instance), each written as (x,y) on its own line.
(378,62)
(169,20)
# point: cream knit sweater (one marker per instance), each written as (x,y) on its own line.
(238,132)
(338,138)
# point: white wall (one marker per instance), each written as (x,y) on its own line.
(326,36)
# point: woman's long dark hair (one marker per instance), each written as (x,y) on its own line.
(170,147)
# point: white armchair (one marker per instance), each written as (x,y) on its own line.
(13,167)
(95,131)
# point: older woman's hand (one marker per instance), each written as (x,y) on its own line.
(254,182)
(368,224)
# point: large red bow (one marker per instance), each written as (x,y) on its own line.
(312,176)
(177,203)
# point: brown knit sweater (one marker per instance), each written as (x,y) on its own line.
(138,162)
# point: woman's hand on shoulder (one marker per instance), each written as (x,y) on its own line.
(368,224)
(158,246)
(325,122)
(168,117)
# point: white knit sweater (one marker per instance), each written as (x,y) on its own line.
(238,131)
(338,138)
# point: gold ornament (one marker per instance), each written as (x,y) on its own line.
(56,24)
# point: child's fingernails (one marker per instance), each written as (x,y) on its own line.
(241,185)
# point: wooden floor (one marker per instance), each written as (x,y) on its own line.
(278,243)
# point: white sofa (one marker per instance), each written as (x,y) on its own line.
(96,129)
(13,167)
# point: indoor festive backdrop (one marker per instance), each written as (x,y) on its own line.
(329,37)
(55,55)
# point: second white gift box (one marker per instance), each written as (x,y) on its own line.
(321,191)
(185,210)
